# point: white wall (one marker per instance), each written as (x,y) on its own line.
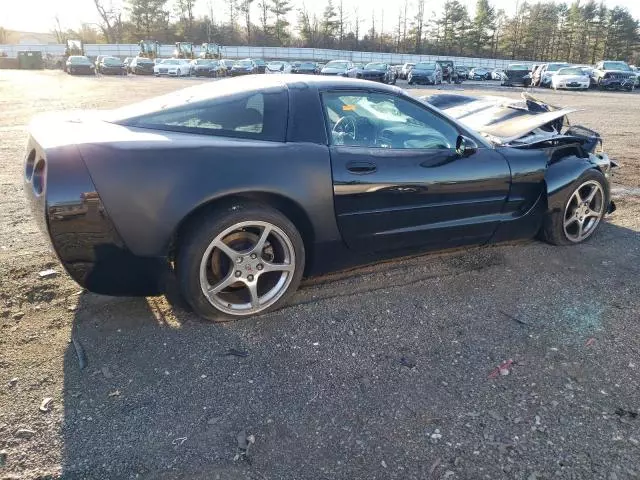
(130,50)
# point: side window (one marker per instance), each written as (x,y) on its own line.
(378,120)
(260,116)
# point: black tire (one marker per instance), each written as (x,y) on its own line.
(197,237)
(553,225)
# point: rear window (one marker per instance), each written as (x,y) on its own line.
(112,61)
(254,115)
(516,67)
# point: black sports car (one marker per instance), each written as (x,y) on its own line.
(378,72)
(80,65)
(240,190)
(310,68)
(516,74)
(112,66)
(204,67)
(243,67)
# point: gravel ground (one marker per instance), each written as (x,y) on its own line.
(382,372)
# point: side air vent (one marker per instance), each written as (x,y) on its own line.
(30,163)
(38,176)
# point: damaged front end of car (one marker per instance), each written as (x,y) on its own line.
(529,123)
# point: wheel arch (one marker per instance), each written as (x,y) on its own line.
(560,177)
(285,205)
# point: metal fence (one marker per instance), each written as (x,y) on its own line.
(315,54)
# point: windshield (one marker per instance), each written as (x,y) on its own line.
(170,62)
(337,64)
(203,62)
(425,66)
(571,71)
(518,67)
(376,66)
(308,65)
(244,63)
(617,66)
(554,67)
(275,65)
(112,61)
(79,60)
(259,61)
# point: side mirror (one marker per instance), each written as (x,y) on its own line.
(465,147)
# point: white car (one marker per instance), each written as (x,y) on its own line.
(497,74)
(573,78)
(174,67)
(278,67)
(405,69)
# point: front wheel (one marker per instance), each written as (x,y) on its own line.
(584,208)
(240,261)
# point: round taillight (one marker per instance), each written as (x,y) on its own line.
(38,177)
(28,168)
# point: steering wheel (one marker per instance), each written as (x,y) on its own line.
(345,127)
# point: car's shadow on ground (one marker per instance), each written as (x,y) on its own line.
(381,372)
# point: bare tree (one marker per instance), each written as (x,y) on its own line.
(264,16)
(233,13)
(184,9)
(245,8)
(111,17)
(341,21)
(356,25)
(57,31)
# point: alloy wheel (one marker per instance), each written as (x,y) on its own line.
(583,211)
(247,268)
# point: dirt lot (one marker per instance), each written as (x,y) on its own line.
(380,372)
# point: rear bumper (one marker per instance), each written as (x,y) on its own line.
(64,201)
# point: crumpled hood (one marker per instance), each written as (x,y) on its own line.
(501,119)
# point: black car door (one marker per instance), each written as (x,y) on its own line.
(400,182)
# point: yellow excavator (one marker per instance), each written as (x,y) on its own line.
(183,50)
(149,49)
(211,50)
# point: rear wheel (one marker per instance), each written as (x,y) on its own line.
(239,262)
(584,208)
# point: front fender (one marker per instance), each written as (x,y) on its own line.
(561,176)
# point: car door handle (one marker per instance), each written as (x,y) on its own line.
(361,168)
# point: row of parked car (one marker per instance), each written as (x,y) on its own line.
(561,75)
(557,75)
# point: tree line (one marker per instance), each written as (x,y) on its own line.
(577,32)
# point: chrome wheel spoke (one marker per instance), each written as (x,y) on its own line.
(277,267)
(229,280)
(226,249)
(591,213)
(578,197)
(570,220)
(591,195)
(263,239)
(580,230)
(253,294)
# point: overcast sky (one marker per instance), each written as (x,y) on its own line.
(38,15)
